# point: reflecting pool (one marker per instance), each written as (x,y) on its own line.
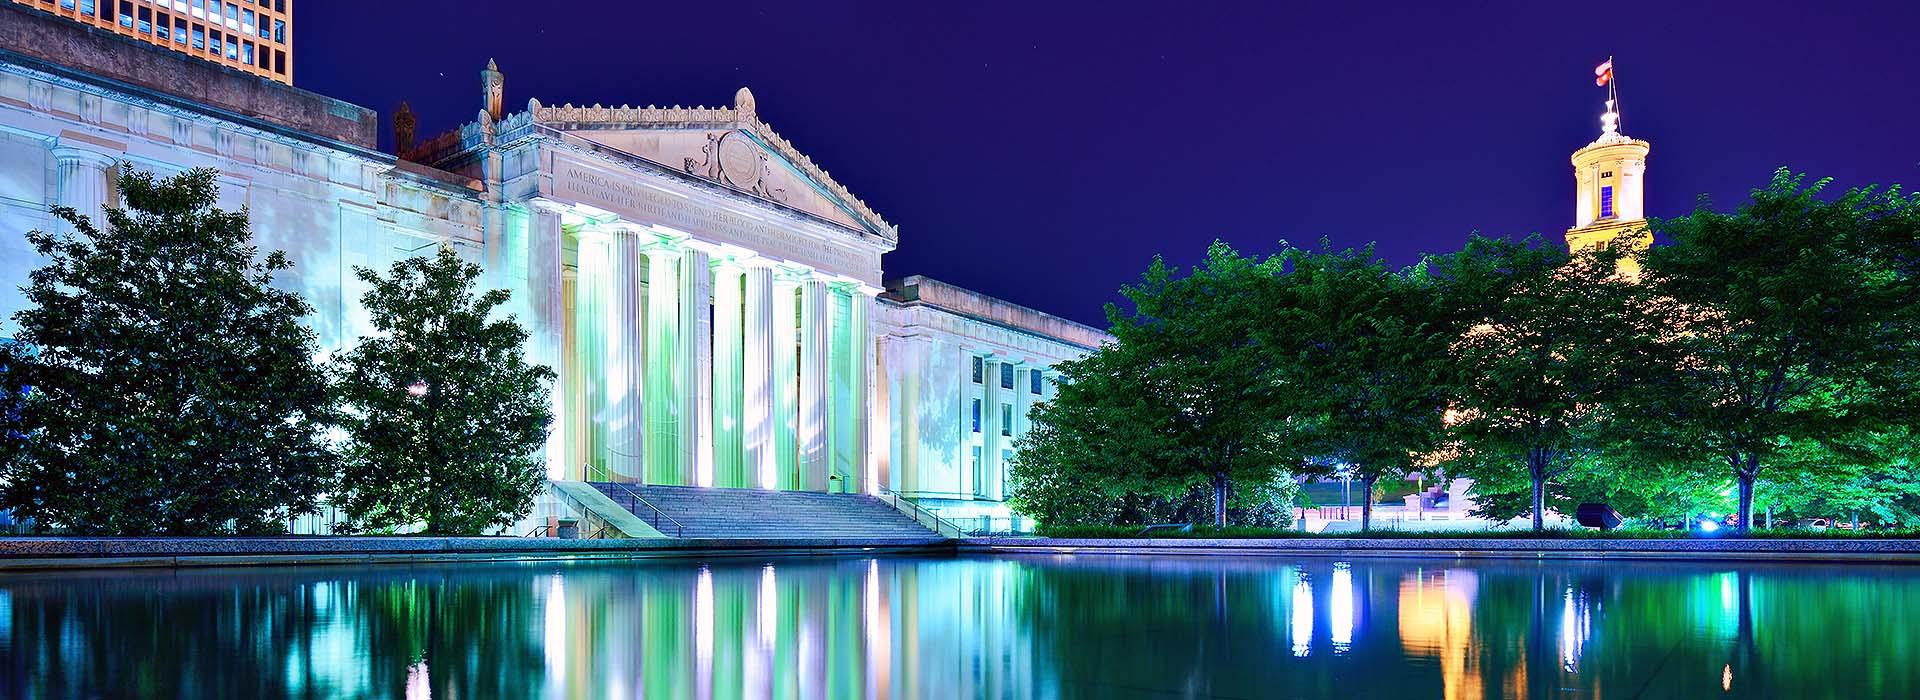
(1018,627)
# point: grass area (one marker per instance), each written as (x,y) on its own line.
(1210,532)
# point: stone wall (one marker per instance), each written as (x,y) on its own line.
(45,37)
(966,302)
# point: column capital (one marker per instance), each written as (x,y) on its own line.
(546,206)
(83,155)
(792,273)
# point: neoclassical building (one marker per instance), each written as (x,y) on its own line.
(711,298)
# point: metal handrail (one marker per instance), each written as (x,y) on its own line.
(941,526)
(541,531)
(636,500)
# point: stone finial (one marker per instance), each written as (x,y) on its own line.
(493,85)
(403,129)
(743,104)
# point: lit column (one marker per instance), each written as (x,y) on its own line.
(592,283)
(696,375)
(757,378)
(546,297)
(815,460)
(786,385)
(842,463)
(85,180)
(729,462)
(625,368)
(664,361)
(864,477)
(990,429)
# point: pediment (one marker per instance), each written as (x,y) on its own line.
(725,146)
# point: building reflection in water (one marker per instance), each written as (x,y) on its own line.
(1054,627)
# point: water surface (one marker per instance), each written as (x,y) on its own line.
(1023,627)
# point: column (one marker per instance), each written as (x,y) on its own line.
(757,378)
(85,182)
(990,429)
(664,365)
(729,460)
(865,477)
(546,301)
(841,448)
(592,281)
(696,375)
(850,390)
(815,461)
(786,384)
(625,368)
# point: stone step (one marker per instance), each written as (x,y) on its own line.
(763,514)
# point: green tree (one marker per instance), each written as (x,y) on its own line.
(165,386)
(1793,320)
(444,418)
(1183,397)
(1365,352)
(1546,335)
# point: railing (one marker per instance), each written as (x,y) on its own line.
(654,516)
(940,526)
(542,531)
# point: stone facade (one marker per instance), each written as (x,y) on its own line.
(709,296)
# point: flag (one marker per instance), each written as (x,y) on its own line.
(1603,74)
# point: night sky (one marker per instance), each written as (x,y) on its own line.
(1044,152)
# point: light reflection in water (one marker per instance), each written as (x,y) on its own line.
(1340,608)
(1045,627)
(1302,615)
(1576,624)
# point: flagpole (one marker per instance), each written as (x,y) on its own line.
(1613,96)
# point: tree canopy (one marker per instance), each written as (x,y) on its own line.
(163,385)
(444,418)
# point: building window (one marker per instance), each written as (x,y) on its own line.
(976,415)
(199,37)
(146,21)
(979,370)
(1006,376)
(1006,420)
(126,14)
(180,31)
(280,62)
(1035,378)
(1606,202)
(246,53)
(979,473)
(280,31)
(1606,174)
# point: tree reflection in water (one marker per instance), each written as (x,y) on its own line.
(1056,626)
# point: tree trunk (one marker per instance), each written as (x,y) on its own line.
(1220,500)
(1537,473)
(1747,472)
(1366,502)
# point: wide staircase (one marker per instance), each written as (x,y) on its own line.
(694,512)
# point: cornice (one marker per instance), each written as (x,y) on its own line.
(743,116)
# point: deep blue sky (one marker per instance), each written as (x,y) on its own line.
(1044,152)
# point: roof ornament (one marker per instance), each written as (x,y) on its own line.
(493,86)
(743,105)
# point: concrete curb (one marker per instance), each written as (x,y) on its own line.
(1862,551)
(42,553)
